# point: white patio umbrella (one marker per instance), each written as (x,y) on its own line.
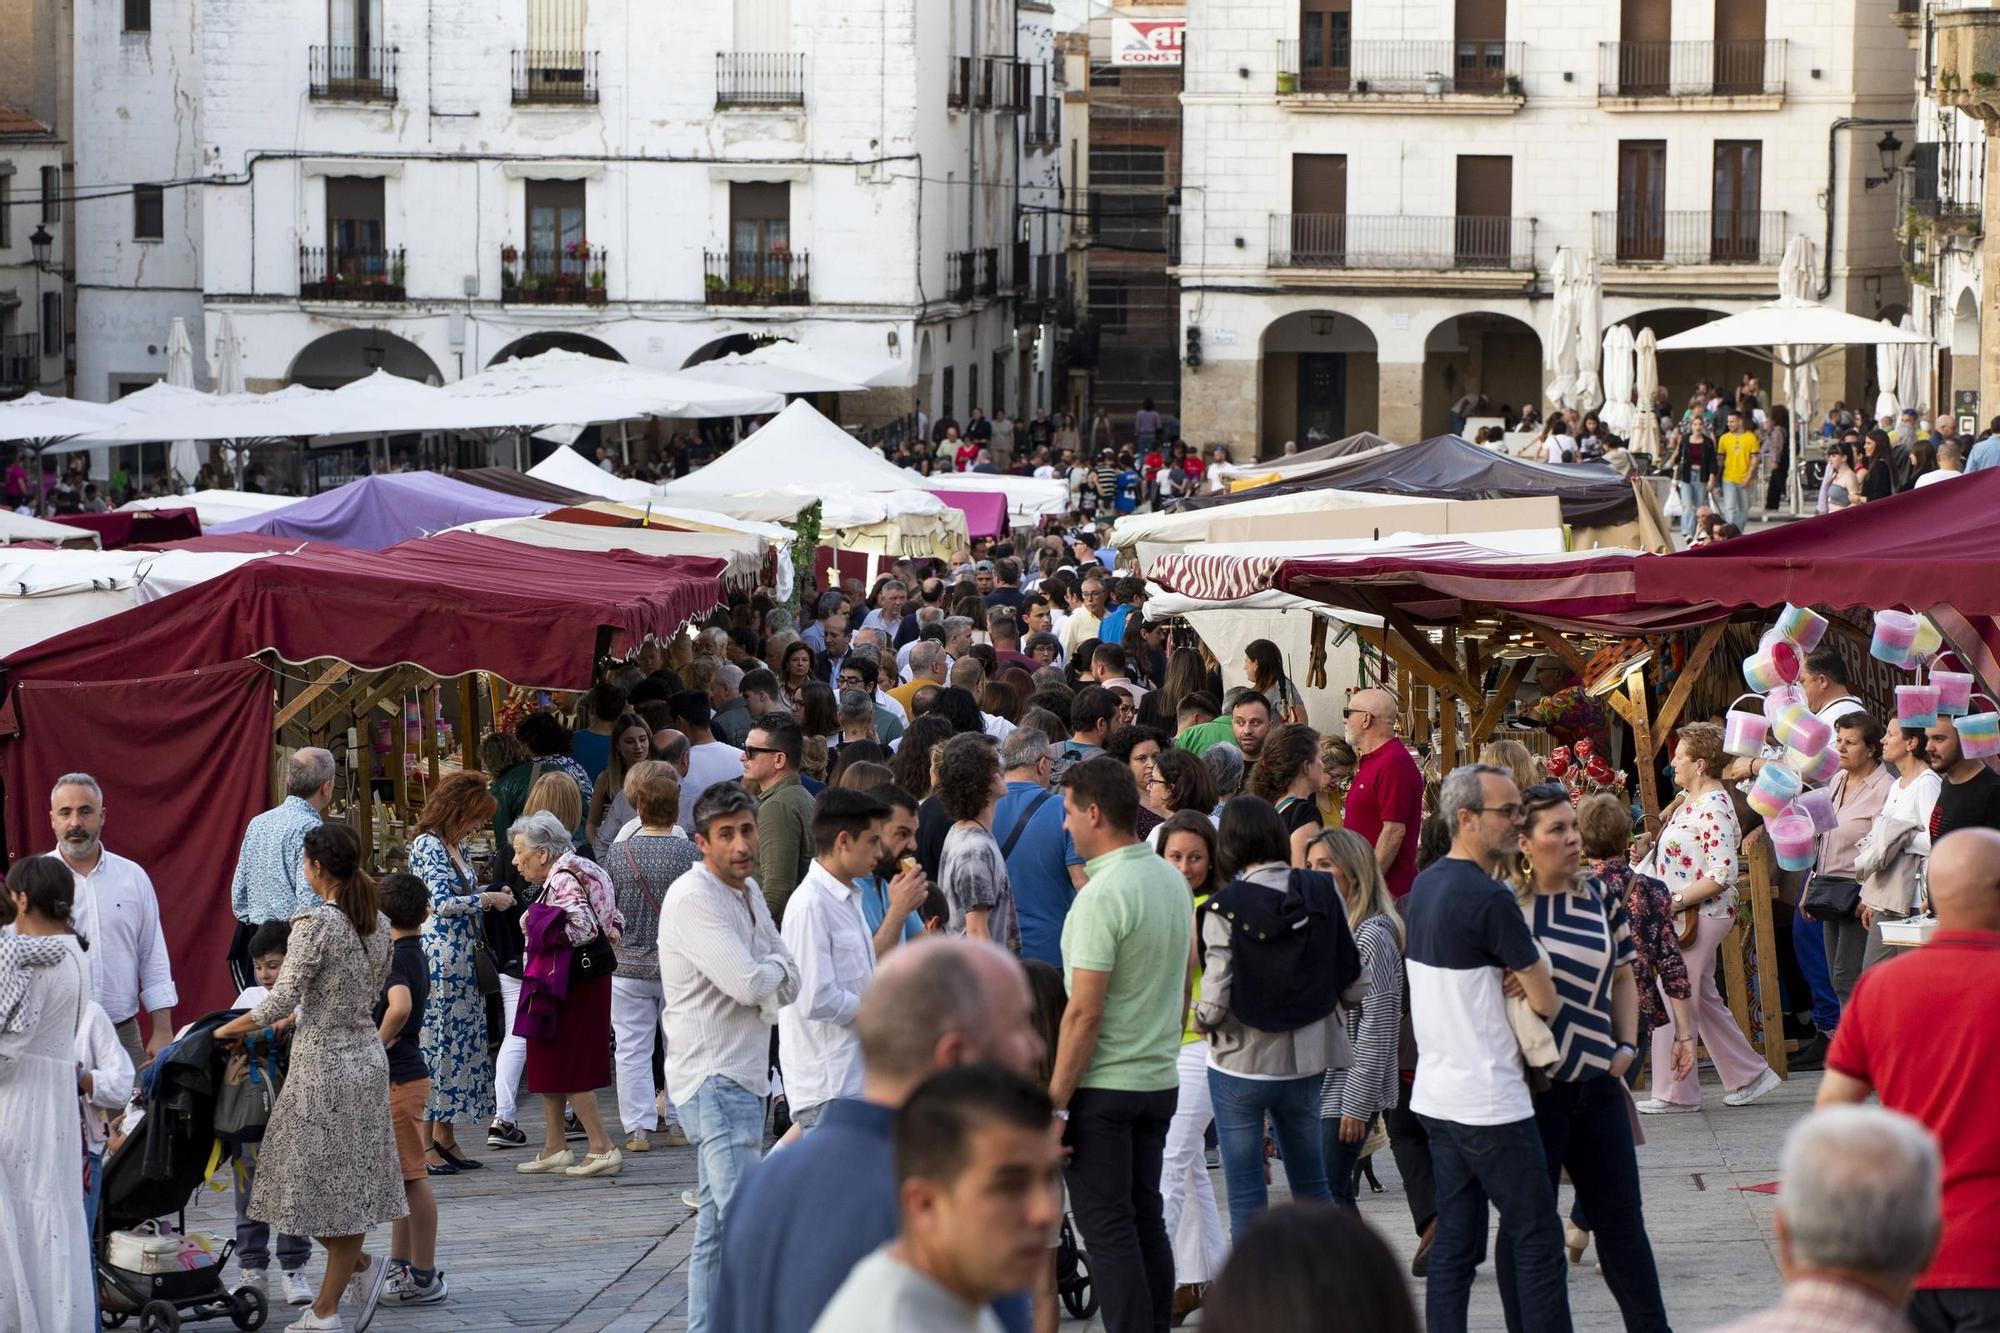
(1796,279)
(1910,388)
(1589,335)
(1645,436)
(1790,333)
(1618,373)
(1566,274)
(1887,362)
(843,363)
(745,372)
(183,457)
(644,392)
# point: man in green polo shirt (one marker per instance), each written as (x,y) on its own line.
(1125,948)
(1245,721)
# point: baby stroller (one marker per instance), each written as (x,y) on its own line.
(152,1174)
(1073,1274)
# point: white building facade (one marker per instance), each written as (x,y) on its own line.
(1374,191)
(360,184)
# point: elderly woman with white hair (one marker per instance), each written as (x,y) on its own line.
(574,923)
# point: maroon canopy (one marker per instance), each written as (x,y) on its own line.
(129,527)
(162,705)
(1936,545)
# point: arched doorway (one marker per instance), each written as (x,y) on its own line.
(1318,380)
(735,344)
(343,357)
(1495,356)
(1725,369)
(537,343)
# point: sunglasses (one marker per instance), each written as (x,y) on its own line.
(760,749)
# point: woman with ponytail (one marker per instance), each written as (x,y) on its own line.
(329,1168)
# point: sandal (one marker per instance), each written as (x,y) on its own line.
(457,1163)
(433,1169)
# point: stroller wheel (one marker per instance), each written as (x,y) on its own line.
(159,1317)
(113,1318)
(1080,1298)
(248,1308)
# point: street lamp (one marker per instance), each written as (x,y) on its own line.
(39,242)
(1888,146)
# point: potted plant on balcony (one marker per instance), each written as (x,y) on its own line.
(1288,82)
(1513,85)
(509,255)
(594,287)
(1433,84)
(507,281)
(714,284)
(396,274)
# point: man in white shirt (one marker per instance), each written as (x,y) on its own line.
(709,760)
(1951,463)
(118,912)
(826,932)
(724,975)
(969,674)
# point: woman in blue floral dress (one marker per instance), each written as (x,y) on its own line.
(454,1031)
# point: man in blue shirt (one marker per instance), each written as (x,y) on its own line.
(807,1215)
(892,891)
(1042,864)
(1986,453)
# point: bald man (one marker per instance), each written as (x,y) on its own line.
(1385,802)
(1919,1032)
(812,1211)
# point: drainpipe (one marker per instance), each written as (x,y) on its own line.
(1832,162)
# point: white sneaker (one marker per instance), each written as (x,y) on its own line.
(693,1201)
(253,1277)
(330,1324)
(364,1292)
(1766,1081)
(298,1288)
(1654,1106)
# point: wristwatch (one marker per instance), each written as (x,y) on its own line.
(1626,1046)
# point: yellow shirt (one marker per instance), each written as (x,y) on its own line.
(1739,455)
(907,691)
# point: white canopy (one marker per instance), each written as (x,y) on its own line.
(1809,329)
(861,368)
(21,528)
(640,391)
(743,555)
(745,372)
(35,418)
(571,470)
(46,593)
(213,507)
(1028,499)
(297,413)
(1192,525)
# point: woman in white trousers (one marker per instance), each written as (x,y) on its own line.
(1187,1194)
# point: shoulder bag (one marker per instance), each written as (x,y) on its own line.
(592,959)
(484,970)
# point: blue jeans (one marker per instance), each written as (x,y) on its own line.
(1694,494)
(725,1122)
(1809,947)
(1240,1107)
(253,1238)
(1341,1161)
(1504,1164)
(1587,1131)
(1736,503)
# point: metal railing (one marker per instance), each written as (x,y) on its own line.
(987,271)
(1691,69)
(568,275)
(760,78)
(1000,83)
(1472,65)
(1397,241)
(759,277)
(20,368)
(1682,236)
(352,73)
(555,76)
(327,273)
(958,90)
(961,275)
(1044,122)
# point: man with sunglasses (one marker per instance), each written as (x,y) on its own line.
(1466,942)
(1385,800)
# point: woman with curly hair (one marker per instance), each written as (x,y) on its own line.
(1289,774)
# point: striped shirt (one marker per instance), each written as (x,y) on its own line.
(1588,938)
(724,974)
(1370,1085)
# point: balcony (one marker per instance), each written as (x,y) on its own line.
(1000,84)
(1401,243)
(1469,76)
(570,275)
(1691,239)
(776,277)
(20,368)
(1965,56)
(352,73)
(1653,73)
(961,275)
(958,91)
(555,78)
(329,274)
(759,79)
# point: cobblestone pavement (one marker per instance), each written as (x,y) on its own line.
(610,1256)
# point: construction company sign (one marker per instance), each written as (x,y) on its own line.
(1136,41)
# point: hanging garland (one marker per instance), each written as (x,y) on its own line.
(804,547)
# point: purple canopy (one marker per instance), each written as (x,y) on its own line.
(377,512)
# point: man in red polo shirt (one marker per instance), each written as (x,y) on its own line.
(1920,1033)
(1385,802)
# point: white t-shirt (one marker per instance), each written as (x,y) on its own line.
(885,1295)
(708,764)
(1559,449)
(1940,475)
(1915,803)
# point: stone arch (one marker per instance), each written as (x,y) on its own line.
(534,344)
(727,345)
(1965,324)
(1317,380)
(346,355)
(1498,356)
(1680,371)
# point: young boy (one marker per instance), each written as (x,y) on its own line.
(268,946)
(399,1016)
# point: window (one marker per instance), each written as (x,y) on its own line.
(1319,209)
(760,217)
(138,15)
(1127,164)
(1735,234)
(6,207)
(1642,200)
(149,213)
(555,228)
(972,385)
(945,398)
(354,226)
(1107,300)
(1129,221)
(1325,48)
(356,24)
(52,194)
(52,324)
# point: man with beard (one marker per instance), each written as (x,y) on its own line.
(118,912)
(891,896)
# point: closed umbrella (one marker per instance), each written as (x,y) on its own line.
(1589,333)
(1645,437)
(1888,361)
(183,457)
(1910,370)
(1795,279)
(1567,276)
(1618,380)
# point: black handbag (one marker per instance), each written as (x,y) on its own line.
(484,971)
(592,959)
(1831,898)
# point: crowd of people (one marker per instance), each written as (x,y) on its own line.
(978,893)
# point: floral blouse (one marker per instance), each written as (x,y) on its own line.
(582,889)
(1650,911)
(1702,843)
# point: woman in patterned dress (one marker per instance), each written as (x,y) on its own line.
(1697,858)
(328,1166)
(454,1032)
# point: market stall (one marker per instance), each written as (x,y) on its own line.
(380,511)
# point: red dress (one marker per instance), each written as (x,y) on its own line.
(576,1056)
